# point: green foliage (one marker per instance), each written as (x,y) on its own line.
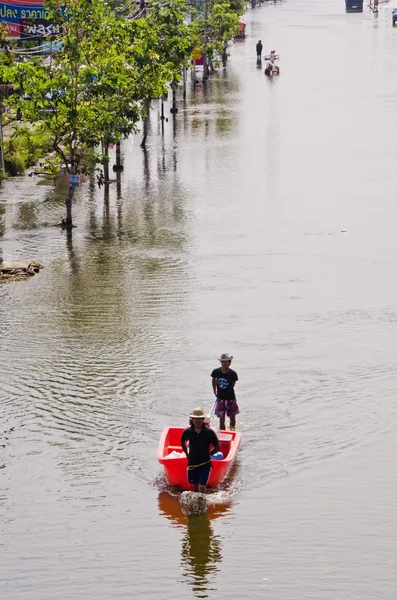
(161,45)
(24,148)
(15,164)
(238,7)
(213,33)
(86,94)
(100,85)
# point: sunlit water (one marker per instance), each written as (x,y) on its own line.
(261,224)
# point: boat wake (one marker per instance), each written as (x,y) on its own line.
(178,504)
(193,503)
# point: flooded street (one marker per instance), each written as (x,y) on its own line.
(262,224)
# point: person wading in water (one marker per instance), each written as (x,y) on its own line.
(259,48)
(223,382)
(200,438)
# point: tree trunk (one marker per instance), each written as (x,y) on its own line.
(68,222)
(106,162)
(184,74)
(146,106)
(118,154)
(224,55)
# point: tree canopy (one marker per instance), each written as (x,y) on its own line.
(99,84)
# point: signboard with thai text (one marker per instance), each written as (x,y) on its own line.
(27,19)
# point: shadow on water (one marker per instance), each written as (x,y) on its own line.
(201,550)
(27,216)
(72,255)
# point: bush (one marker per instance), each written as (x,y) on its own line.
(24,148)
(15,164)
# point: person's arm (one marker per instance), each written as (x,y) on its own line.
(234,382)
(214,385)
(183,444)
(215,443)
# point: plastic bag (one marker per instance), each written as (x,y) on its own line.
(217,456)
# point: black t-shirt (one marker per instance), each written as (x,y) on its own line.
(199,444)
(224,383)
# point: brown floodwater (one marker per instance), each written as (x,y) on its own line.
(262,223)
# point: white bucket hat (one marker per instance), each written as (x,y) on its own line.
(225,357)
(198,413)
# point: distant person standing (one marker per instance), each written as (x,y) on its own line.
(259,49)
(223,382)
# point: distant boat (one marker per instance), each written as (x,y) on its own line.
(174,461)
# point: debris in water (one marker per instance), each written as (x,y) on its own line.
(193,503)
(18,270)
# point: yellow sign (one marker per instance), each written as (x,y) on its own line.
(196,54)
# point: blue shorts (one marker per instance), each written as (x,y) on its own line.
(199,475)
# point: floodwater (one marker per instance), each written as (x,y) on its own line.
(262,224)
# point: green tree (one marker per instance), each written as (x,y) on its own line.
(86,95)
(213,28)
(162,47)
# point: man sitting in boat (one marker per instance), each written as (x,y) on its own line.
(223,382)
(200,438)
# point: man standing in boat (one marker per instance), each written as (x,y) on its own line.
(223,382)
(200,438)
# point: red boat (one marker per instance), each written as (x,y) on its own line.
(175,466)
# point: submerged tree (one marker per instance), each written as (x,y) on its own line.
(86,94)
(161,49)
(213,28)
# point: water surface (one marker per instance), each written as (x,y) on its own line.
(260,224)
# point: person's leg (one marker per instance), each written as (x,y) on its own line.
(193,479)
(204,476)
(232,411)
(220,412)
(197,487)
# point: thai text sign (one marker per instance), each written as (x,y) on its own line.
(26,18)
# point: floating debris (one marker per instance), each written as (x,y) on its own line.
(19,270)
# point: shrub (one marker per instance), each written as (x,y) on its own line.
(24,148)
(15,164)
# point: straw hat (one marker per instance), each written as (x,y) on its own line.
(225,357)
(198,413)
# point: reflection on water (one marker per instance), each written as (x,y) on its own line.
(27,216)
(201,549)
(201,553)
(2,218)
